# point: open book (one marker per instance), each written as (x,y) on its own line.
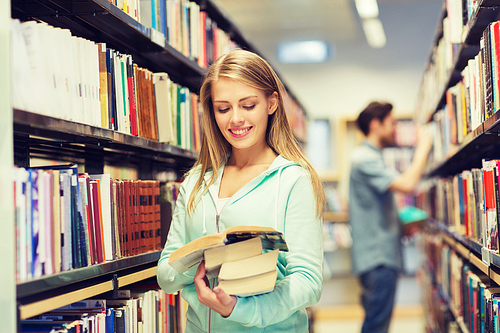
(191,254)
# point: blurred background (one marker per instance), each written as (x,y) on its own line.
(336,56)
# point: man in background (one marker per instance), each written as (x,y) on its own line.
(376,228)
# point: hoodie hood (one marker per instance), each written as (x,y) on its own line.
(277,166)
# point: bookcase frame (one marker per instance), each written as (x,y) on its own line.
(482,142)
(7,233)
(26,134)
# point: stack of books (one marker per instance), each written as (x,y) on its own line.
(243,258)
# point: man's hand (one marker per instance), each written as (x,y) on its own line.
(217,299)
(424,139)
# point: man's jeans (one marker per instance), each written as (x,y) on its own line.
(378,298)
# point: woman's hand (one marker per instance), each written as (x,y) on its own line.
(217,299)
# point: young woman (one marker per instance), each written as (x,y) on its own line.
(249,172)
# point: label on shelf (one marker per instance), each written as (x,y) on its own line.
(486,256)
(157,37)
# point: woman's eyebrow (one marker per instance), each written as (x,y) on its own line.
(241,100)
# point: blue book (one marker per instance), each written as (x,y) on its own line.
(162,17)
(111,89)
(495,315)
(153,15)
(110,320)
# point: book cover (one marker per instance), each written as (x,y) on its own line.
(103,85)
(191,254)
(105,210)
(94,188)
(131,96)
(163,107)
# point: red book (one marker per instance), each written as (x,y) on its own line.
(131,96)
(465,200)
(157,215)
(90,220)
(151,240)
(128,231)
(143,214)
(97,225)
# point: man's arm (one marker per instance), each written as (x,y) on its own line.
(407,180)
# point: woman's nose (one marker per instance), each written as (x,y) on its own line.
(237,117)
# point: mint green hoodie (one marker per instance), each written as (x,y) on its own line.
(281,197)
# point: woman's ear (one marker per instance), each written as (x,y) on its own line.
(272,102)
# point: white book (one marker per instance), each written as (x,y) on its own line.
(183,111)
(83,56)
(162,86)
(455,15)
(119,93)
(21,200)
(24,89)
(126,103)
(66,64)
(145,14)
(56,215)
(175,110)
(194,21)
(32,42)
(49,41)
(77,98)
(41,222)
(88,65)
(66,259)
(105,182)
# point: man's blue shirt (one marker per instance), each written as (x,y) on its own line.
(376,229)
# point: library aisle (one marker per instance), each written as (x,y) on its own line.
(340,311)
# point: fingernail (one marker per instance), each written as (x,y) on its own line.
(216,290)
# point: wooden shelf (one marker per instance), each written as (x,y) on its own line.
(48,304)
(61,295)
(471,251)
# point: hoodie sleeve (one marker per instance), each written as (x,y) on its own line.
(168,278)
(303,282)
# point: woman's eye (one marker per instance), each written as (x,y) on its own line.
(249,107)
(223,110)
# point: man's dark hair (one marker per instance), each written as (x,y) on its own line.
(378,110)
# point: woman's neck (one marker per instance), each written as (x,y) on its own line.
(242,158)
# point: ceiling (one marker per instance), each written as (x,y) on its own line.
(409,26)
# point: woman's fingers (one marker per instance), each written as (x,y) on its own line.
(216,299)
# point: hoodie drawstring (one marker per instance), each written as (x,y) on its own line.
(276,202)
(204,223)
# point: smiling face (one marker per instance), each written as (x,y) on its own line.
(242,112)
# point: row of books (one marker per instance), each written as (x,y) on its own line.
(406,133)
(467,203)
(455,29)
(336,236)
(87,82)
(475,98)
(182,25)
(470,294)
(152,311)
(66,219)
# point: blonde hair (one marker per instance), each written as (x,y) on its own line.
(252,70)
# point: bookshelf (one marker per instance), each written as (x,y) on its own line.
(480,142)
(7,240)
(30,135)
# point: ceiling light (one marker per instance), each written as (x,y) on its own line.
(302,52)
(374,32)
(367,9)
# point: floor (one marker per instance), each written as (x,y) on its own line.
(339,309)
(349,318)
